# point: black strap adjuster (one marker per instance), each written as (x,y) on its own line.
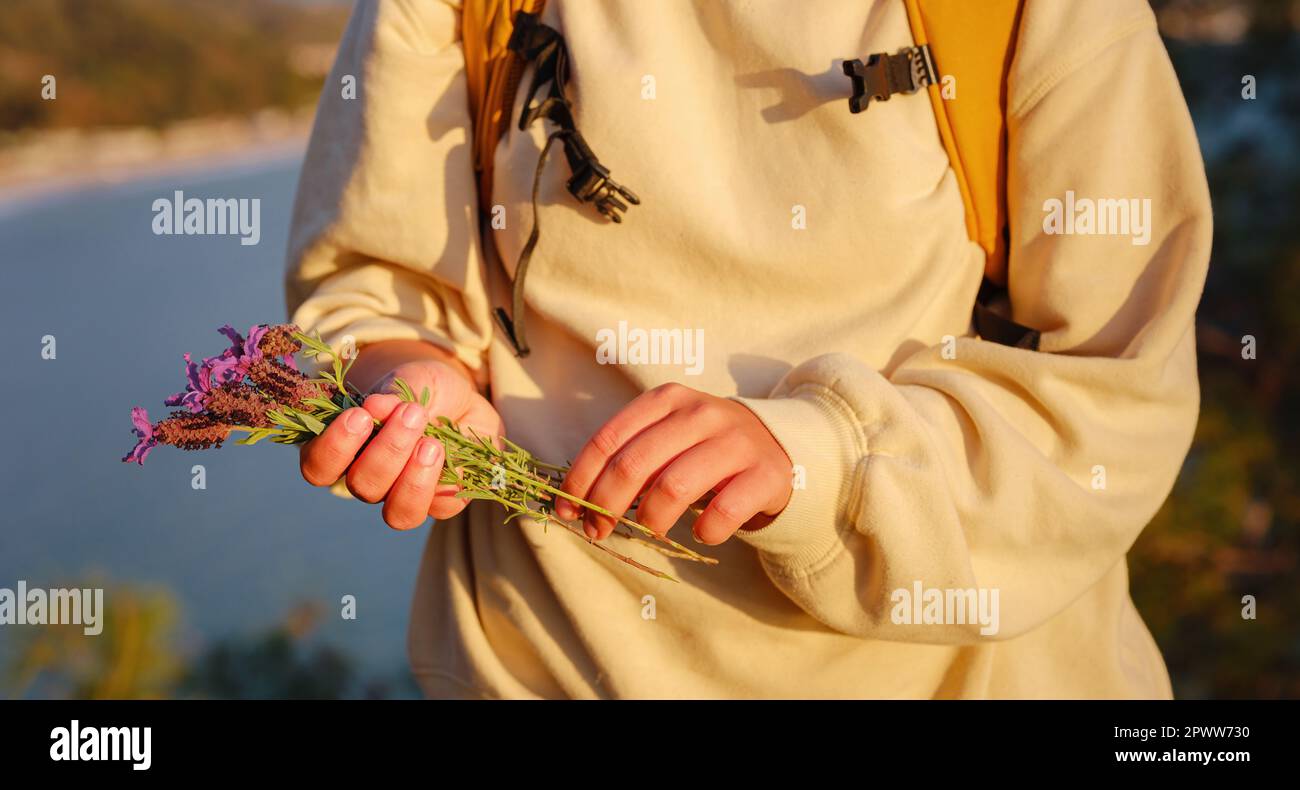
(992,322)
(544,48)
(906,71)
(591,182)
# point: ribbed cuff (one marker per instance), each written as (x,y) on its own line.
(823,440)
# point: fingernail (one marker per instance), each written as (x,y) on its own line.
(696,537)
(429,453)
(357,421)
(565,510)
(591,531)
(412,416)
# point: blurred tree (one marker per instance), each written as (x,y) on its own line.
(273,665)
(1230,527)
(151,62)
(134,657)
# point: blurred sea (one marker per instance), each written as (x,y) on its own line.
(123,305)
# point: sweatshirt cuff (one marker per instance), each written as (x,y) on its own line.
(824,446)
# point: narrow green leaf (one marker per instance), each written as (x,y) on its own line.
(314,425)
(404,390)
(257,435)
(323,405)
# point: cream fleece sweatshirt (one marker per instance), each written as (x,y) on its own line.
(824,259)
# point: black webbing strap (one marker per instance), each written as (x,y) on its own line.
(544,47)
(997,328)
(515,329)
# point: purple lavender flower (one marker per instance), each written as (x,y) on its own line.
(255,335)
(224,369)
(194,396)
(233,363)
(143,431)
(230,365)
(236,340)
(254,351)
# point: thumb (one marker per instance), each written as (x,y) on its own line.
(447,390)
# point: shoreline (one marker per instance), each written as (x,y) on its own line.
(54,165)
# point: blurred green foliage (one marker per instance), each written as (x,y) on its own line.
(135,656)
(146,62)
(140,655)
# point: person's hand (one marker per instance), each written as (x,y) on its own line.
(675,445)
(401,466)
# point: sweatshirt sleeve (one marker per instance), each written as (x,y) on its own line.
(384,243)
(1029,473)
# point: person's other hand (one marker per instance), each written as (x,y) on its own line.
(676,444)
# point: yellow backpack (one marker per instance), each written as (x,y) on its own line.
(971,42)
(492,70)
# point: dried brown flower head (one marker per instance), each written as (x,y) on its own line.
(191,431)
(281,383)
(239,404)
(279,341)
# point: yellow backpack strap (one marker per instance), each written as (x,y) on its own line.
(964,47)
(973,44)
(970,46)
(492,72)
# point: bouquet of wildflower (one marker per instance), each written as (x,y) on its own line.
(255,387)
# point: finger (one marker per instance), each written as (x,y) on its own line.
(407,504)
(445,504)
(381,406)
(684,481)
(449,391)
(632,468)
(738,501)
(645,410)
(373,474)
(324,459)
(480,417)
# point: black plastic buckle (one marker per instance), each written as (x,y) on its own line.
(906,71)
(591,182)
